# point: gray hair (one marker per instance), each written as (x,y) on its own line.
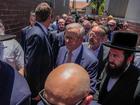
(78,26)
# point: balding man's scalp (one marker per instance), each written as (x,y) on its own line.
(68,81)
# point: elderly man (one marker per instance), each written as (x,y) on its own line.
(120,80)
(11,51)
(38,52)
(112,24)
(68,84)
(87,26)
(75,52)
(97,36)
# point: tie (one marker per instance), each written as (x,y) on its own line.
(69,57)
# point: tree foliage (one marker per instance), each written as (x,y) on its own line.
(99,5)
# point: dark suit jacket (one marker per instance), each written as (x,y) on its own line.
(14,89)
(24,32)
(102,58)
(38,58)
(123,91)
(40,103)
(57,40)
(85,58)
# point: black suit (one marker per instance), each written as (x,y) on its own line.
(38,58)
(122,93)
(24,32)
(57,40)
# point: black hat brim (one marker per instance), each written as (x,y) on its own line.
(108,44)
(7,37)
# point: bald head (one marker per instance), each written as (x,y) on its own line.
(67,84)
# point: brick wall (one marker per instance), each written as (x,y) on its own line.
(15,14)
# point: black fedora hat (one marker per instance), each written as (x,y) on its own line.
(6,37)
(124,41)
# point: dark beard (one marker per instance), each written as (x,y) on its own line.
(117,71)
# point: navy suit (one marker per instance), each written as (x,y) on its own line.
(41,103)
(38,58)
(24,32)
(14,89)
(85,58)
(57,40)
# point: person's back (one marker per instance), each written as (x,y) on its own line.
(38,52)
(25,30)
(68,84)
(11,51)
(13,54)
(14,88)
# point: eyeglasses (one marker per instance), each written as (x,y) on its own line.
(41,94)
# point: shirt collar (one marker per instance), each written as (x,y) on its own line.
(43,27)
(75,53)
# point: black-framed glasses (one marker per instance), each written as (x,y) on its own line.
(41,94)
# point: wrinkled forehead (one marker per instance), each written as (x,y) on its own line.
(95,31)
(61,21)
(116,51)
(72,32)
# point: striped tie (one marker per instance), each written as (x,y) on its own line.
(69,57)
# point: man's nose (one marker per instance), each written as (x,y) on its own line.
(67,40)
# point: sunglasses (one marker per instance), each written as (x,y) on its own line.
(41,94)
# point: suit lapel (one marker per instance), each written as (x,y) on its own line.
(64,53)
(100,54)
(79,57)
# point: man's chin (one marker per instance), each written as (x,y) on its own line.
(113,71)
(112,66)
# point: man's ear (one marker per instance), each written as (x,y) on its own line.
(130,59)
(88,99)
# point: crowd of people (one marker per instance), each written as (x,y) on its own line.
(70,61)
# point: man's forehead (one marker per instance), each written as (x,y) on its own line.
(96,30)
(72,31)
(61,21)
(115,50)
(112,22)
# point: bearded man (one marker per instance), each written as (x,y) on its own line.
(120,78)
